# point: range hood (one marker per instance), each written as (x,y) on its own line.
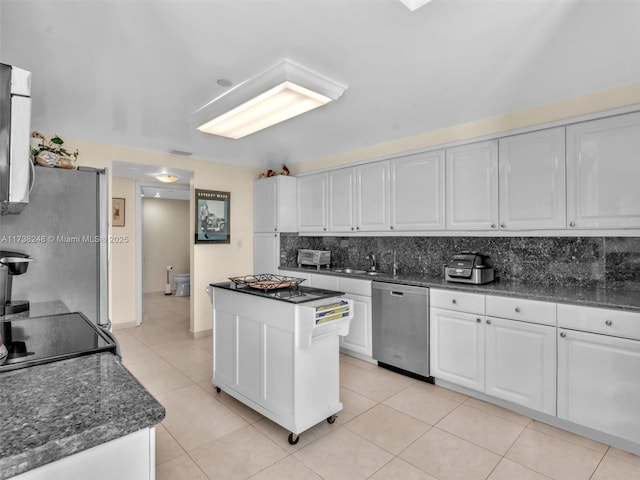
(16,167)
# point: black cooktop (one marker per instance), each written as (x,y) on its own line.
(294,294)
(36,340)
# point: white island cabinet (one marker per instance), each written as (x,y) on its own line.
(280,357)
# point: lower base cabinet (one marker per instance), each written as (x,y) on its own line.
(599,382)
(359,339)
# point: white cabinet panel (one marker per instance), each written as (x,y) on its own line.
(603,173)
(457,348)
(359,338)
(617,323)
(598,382)
(458,301)
(312,203)
(417,192)
(521,309)
(372,197)
(275,204)
(342,200)
(266,252)
(324,281)
(532,180)
(520,361)
(472,186)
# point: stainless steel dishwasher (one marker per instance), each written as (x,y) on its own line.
(400,331)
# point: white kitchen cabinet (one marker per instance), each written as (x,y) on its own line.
(342,200)
(598,383)
(532,180)
(520,363)
(131,457)
(359,338)
(266,252)
(274,204)
(603,173)
(312,203)
(457,347)
(417,192)
(372,197)
(472,186)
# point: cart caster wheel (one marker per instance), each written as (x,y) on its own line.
(331,419)
(293,439)
(218,390)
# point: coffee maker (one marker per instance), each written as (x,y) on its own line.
(11,264)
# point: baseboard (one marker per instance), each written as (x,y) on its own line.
(201,333)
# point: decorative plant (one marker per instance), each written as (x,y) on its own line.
(54,146)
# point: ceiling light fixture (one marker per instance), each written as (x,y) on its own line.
(414,4)
(283,91)
(167,178)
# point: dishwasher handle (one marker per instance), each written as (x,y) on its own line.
(395,293)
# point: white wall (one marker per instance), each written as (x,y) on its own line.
(165,240)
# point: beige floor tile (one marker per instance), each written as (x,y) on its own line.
(553,456)
(612,468)
(444,392)
(181,353)
(142,356)
(350,372)
(498,411)
(287,469)
(388,428)
(180,468)
(166,446)
(377,384)
(127,341)
(508,470)
(353,404)
(280,435)
(483,429)
(343,455)
(422,402)
(198,372)
(205,343)
(398,469)
(569,437)
(448,457)
(357,362)
(622,455)
(248,414)
(164,382)
(237,455)
(151,334)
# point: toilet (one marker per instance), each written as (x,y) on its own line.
(183,284)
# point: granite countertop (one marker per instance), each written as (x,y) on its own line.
(587,296)
(51,411)
(301,294)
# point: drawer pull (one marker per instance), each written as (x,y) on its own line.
(562,334)
(488,322)
(517,309)
(608,323)
(454,301)
(478,320)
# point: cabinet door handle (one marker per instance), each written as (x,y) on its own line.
(488,322)
(352,228)
(454,301)
(391,227)
(324,229)
(608,323)
(275,229)
(517,309)
(572,224)
(502,225)
(493,225)
(357,228)
(478,320)
(562,334)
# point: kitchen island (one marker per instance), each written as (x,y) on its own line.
(85,417)
(277,351)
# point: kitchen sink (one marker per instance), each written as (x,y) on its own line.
(350,270)
(374,273)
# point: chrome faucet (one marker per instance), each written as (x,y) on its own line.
(395,264)
(372,258)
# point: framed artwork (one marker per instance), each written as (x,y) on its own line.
(212,217)
(117,212)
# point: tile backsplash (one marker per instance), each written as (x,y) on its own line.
(606,262)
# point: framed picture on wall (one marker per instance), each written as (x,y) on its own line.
(212,217)
(117,212)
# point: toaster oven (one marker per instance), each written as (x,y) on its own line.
(318,258)
(469,267)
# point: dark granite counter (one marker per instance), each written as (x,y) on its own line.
(51,411)
(299,294)
(587,296)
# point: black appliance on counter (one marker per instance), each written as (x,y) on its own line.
(36,340)
(469,267)
(11,264)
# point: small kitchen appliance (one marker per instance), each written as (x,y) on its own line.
(318,258)
(11,264)
(469,267)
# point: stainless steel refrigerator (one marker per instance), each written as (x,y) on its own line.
(64,228)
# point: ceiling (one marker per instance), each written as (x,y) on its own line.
(134,72)
(145,176)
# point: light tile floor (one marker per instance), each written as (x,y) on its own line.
(392,427)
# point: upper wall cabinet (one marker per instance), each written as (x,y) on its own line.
(472,186)
(603,173)
(274,204)
(342,200)
(532,180)
(312,203)
(372,197)
(417,192)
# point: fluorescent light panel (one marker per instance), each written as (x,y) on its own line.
(414,4)
(282,92)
